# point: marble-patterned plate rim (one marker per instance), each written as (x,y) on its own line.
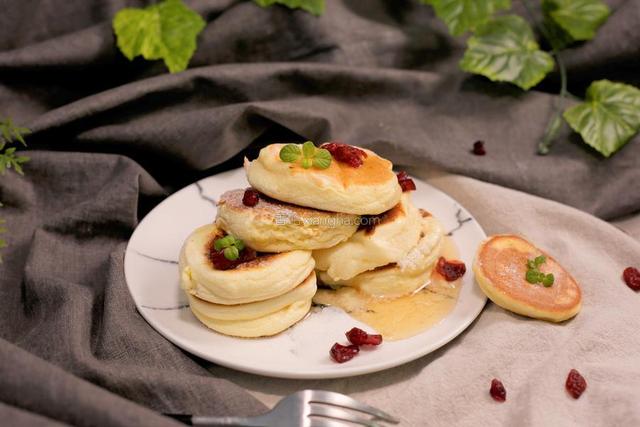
(151,273)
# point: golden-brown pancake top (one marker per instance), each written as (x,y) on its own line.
(503,260)
(374,170)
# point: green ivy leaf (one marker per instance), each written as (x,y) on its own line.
(504,49)
(579,18)
(465,15)
(609,117)
(315,7)
(167,31)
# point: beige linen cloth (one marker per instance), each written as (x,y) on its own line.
(450,387)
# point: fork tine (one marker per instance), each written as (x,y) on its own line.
(337,399)
(326,422)
(341,414)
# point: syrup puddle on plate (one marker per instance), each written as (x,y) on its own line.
(402,317)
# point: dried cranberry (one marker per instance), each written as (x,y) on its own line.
(478,148)
(344,153)
(357,336)
(251,197)
(451,269)
(497,390)
(405,182)
(632,278)
(343,353)
(576,384)
(220,262)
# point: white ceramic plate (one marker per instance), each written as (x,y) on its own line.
(302,351)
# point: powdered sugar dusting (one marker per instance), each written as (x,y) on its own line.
(433,234)
(272,208)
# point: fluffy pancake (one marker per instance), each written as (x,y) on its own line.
(368,190)
(274,226)
(265,277)
(270,324)
(253,310)
(408,274)
(500,268)
(387,239)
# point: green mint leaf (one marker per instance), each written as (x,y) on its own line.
(580,19)
(315,7)
(548,280)
(231,253)
(531,265)
(322,159)
(308,149)
(223,242)
(505,49)
(609,117)
(465,15)
(290,153)
(539,260)
(238,244)
(532,276)
(167,31)
(307,163)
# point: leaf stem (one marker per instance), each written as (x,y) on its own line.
(543,29)
(555,124)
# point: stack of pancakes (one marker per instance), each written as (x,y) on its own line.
(353,225)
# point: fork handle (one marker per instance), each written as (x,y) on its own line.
(202,421)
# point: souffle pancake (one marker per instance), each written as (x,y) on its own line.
(266,276)
(269,225)
(506,267)
(380,240)
(257,319)
(369,189)
(407,274)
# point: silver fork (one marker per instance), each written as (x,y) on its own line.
(306,408)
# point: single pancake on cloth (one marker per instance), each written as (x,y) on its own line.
(267,276)
(380,240)
(275,226)
(257,319)
(370,189)
(500,268)
(407,274)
